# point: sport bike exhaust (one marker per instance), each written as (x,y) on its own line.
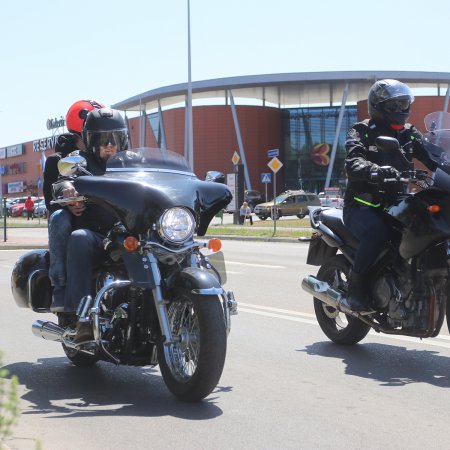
(47,330)
(322,291)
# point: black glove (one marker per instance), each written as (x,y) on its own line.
(383,173)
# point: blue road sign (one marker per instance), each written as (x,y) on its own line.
(272,153)
(266,178)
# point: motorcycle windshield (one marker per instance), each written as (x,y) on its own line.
(437,140)
(139,185)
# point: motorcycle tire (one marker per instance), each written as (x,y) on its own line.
(191,367)
(76,357)
(337,326)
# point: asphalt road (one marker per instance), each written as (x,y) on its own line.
(284,385)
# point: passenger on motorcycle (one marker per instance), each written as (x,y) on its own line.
(76,232)
(65,144)
(367,167)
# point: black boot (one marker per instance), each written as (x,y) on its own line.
(357,294)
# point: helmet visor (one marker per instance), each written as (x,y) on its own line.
(105,138)
(396,105)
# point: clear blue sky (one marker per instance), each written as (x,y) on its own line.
(54,52)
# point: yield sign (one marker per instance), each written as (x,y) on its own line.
(275,164)
(235,158)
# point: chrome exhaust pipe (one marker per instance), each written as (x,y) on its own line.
(322,291)
(47,330)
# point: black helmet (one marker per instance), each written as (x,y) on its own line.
(102,127)
(389,103)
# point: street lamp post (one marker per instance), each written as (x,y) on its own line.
(189,96)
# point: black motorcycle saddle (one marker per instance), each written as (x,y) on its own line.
(332,218)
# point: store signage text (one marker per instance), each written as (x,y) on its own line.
(55,123)
(44,144)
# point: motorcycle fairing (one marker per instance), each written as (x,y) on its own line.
(421,228)
(140,201)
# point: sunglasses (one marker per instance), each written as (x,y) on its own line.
(104,139)
(396,105)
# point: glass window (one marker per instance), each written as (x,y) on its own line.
(308,135)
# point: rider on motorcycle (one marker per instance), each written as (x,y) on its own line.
(367,167)
(104,134)
(65,144)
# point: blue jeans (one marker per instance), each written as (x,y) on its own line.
(59,230)
(84,253)
(366,224)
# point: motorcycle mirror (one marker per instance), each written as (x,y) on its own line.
(213,175)
(387,144)
(70,165)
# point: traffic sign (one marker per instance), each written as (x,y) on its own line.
(272,153)
(266,178)
(275,164)
(235,158)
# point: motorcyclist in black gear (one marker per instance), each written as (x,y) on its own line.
(366,167)
(76,245)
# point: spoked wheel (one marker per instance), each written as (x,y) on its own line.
(191,367)
(338,327)
(78,358)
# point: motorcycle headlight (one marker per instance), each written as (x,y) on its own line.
(176,225)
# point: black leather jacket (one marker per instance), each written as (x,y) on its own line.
(363,157)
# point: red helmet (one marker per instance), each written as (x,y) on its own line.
(78,112)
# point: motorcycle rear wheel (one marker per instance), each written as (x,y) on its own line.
(337,326)
(191,367)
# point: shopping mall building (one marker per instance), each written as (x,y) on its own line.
(305,116)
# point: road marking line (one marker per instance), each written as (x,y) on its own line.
(276,316)
(278,310)
(238,263)
(255,309)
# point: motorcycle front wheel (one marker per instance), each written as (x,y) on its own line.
(191,366)
(337,326)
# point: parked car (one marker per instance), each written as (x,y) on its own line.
(14,201)
(40,210)
(17,209)
(252,198)
(289,203)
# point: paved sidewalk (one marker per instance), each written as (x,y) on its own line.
(34,238)
(23,238)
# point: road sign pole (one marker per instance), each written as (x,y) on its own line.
(274,204)
(265,184)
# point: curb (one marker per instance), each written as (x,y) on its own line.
(18,246)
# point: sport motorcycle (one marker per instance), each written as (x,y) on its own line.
(409,282)
(158,296)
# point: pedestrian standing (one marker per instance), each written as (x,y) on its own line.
(29,206)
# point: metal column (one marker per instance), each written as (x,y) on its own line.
(239,139)
(162,130)
(336,136)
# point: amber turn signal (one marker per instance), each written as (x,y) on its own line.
(434,208)
(131,243)
(214,244)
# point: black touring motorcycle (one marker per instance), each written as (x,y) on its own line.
(409,289)
(158,297)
